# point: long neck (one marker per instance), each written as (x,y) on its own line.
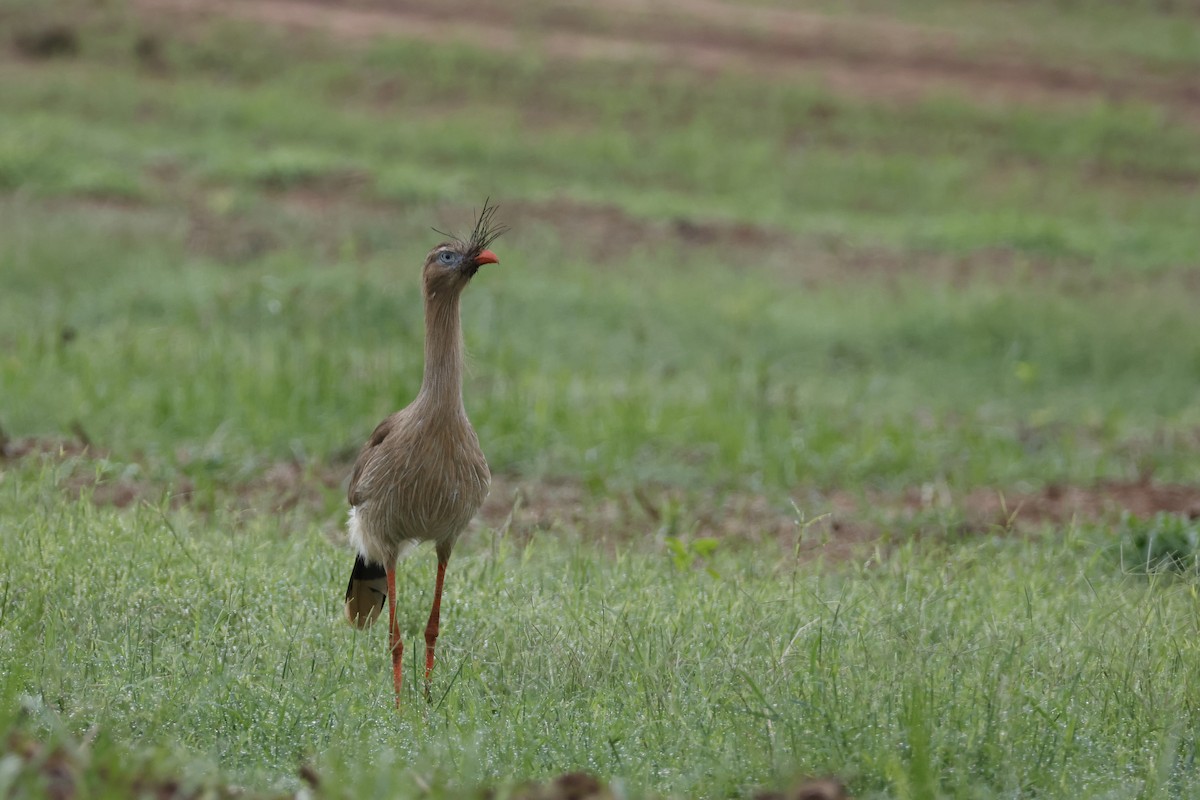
(441,387)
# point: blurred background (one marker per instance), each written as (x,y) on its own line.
(757,247)
(817,281)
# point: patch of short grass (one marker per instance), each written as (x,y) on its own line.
(986,669)
(1160,543)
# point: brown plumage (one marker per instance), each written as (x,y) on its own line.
(421,476)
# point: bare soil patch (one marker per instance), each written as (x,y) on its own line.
(810,524)
(860,56)
(1059,504)
(608,234)
(56,447)
(329,208)
(605,235)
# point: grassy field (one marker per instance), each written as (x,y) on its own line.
(755,345)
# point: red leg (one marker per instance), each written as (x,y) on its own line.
(394,641)
(431,629)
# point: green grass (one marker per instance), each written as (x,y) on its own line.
(711,286)
(1103,36)
(1160,543)
(604,371)
(997,667)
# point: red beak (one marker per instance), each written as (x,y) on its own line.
(486,257)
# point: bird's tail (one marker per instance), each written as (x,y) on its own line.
(365,593)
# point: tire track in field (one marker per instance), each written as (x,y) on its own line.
(832,524)
(865,57)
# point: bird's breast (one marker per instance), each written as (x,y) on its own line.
(424,488)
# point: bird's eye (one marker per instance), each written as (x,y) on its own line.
(447,257)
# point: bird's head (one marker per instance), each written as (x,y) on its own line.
(452,264)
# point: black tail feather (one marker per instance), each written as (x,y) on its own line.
(365,593)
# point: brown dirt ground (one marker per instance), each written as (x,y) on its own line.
(830,525)
(867,57)
(605,235)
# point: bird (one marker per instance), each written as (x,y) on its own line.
(421,475)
